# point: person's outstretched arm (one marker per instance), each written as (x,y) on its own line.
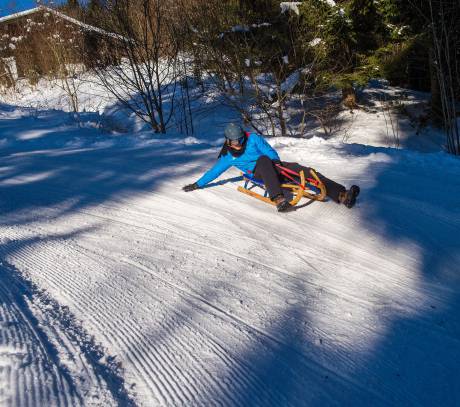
(222,165)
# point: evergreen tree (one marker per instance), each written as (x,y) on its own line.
(367,25)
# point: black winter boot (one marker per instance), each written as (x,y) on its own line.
(282,204)
(348,198)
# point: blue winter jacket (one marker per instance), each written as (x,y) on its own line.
(256,146)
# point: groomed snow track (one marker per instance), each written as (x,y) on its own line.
(117,288)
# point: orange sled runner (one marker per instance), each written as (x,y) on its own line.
(299,186)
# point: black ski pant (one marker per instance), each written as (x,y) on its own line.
(267,171)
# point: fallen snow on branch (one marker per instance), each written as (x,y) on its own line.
(287,6)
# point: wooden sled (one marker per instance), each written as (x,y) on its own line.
(311,188)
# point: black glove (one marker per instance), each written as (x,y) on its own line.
(276,162)
(191,187)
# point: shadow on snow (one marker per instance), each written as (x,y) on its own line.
(413,201)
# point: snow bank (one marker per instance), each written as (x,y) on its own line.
(120,119)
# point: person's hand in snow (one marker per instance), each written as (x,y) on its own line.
(191,187)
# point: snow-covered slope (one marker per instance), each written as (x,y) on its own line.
(118,288)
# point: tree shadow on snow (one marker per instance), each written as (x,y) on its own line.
(407,349)
(413,204)
(51,167)
(411,328)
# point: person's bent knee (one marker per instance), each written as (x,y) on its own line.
(263,159)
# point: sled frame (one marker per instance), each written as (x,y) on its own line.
(304,188)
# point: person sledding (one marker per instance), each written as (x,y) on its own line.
(251,154)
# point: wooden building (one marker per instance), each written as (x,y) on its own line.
(41,41)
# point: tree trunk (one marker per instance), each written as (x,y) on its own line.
(436,102)
(349,97)
(282,119)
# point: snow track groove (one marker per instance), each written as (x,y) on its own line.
(167,382)
(164,360)
(28,362)
(132,223)
(72,374)
(118,288)
(236,321)
(145,355)
(170,373)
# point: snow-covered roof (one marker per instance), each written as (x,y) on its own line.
(34,10)
(20,14)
